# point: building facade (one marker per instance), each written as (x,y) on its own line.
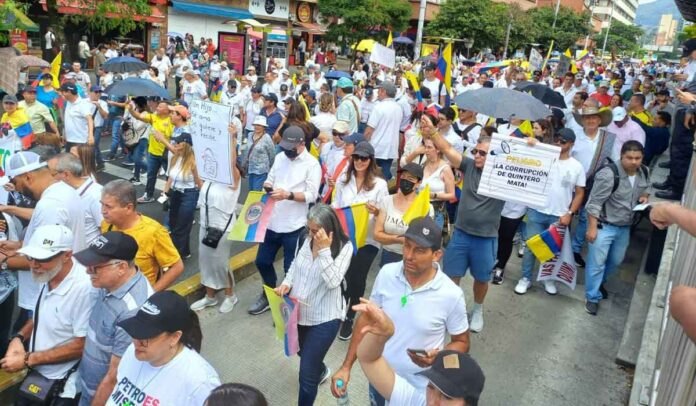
(620,10)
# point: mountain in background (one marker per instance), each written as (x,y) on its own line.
(648,14)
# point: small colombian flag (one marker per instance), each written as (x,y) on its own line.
(253,221)
(19,122)
(354,221)
(546,245)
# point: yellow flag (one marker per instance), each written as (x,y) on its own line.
(389,39)
(527,128)
(294,79)
(302,101)
(420,206)
(55,69)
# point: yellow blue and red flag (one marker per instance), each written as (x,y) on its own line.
(253,221)
(444,72)
(216,92)
(19,122)
(354,220)
(524,130)
(413,80)
(284,311)
(546,245)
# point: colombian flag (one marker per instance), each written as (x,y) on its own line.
(420,206)
(354,221)
(284,311)
(252,222)
(301,100)
(216,93)
(444,72)
(546,245)
(413,80)
(19,122)
(524,130)
(458,190)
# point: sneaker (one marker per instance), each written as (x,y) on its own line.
(162,172)
(520,251)
(591,307)
(203,303)
(578,259)
(187,256)
(325,376)
(135,181)
(228,304)
(476,324)
(603,291)
(346,330)
(550,287)
(128,163)
(260,306)
(146,199)
(108,158)
(522,286)
(498,276)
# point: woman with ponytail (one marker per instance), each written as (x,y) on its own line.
(166,344)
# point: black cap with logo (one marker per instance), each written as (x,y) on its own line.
(456,375)
(425,232)
(292,137)
(164,311)
(108,246)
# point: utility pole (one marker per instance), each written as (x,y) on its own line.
(507,35)
(606,35)
(419,33)
(555,15)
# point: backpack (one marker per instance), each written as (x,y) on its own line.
(609,163)
(464,134)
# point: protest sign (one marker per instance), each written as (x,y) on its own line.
(563,65)
(517,172)
(562,267)
(536,59)
(211,141)
(383,56)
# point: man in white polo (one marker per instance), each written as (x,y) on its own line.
(56,334)
(383,128)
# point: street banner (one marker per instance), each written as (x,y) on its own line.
(518,172)
(536,59)
(284,311)
(211,141)
(562,267)
(253,220)
(383,56)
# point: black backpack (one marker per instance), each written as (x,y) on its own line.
(608,163)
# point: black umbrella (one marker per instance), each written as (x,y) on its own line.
(502,103)
(123,64)
(543,93)
(137,87)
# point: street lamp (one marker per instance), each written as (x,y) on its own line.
(468,43)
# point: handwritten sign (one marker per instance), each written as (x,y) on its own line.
(383,56)
(517,172)
(536,59)
(211,140)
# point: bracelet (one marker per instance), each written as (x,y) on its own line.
(18,335)
(26,359)
(292,196)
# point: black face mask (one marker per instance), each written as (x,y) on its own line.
(406,186)
(291,153)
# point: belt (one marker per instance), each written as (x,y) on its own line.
(187,190)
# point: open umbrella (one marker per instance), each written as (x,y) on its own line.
(502,103)
(26,61)
(137,87)
(403,40)
(337,74)
(175,34)
(365,45)
(543,93)
(123,64)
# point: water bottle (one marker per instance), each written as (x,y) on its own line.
(343,400)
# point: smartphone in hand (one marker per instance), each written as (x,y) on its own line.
(268,189)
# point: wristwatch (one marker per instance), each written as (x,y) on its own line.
(18,335)
(572,213)
(292,196)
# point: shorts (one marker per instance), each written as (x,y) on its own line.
(466,251)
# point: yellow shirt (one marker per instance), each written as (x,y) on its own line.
(162,125)
(645,117)
(155,247)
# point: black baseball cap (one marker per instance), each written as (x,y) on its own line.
(364,149)
(29,89)
(108,246)
(663,92)
(414,169)
(456,375)
(292,137)
(255,90)
(566,134)
(425,232)
(68,87)
(183,137)
(355,138)
(164,311)
(272,97)
(688,47)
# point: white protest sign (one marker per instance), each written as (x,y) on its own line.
(211,140)
(383,56)
(536,59)
(517,172)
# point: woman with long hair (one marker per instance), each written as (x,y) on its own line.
(543,131)
(438,174)
(182,188)
(87,158)
(314,278)
(297,115)
(326,117)
(164,363)
(616,101)
(360,184)
(414,151)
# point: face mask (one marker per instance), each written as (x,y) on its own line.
(290,153)
(406,186)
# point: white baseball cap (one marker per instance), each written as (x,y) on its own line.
(618,114)
(23,162)
(48,241)
(260,120)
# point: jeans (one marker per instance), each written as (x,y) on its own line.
(177,83)
(6,310)
(604,256)
(356,276)
(388,257)
(154,163)
(268,250)
(97,150)
(256,181)
(580,231)
(536,223)
(181,212)
(116,136)
(137,155)
(315,342)
(376,399)
(385,165)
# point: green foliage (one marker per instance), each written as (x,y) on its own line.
(687,33)
(622,39)
(570,26)
(350,21)
(105,15)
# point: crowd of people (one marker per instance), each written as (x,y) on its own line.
(88,274)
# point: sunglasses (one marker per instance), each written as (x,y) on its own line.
(361,158)
(337,134)
(561,141)
(479,152)
(43,261)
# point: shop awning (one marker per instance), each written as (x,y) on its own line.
(273,35)
(15,18)
(213,10)
(311,27)
(81,7)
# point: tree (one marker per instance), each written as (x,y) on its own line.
(482,20)
(688,32)
(103,15)
(570,26)
(350,21)
(622,39)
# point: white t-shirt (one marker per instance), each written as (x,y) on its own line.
(324,122)
(360,75)
(163,66)
(83,80)
(455,140)
(569,173)
(434,86)
(194,90)
(76,120)
(49,38)
(90,193)
(187,380)
(385,119)
(405,394)
(98,119)
(431,312)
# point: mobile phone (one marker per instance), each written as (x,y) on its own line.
(268,189)
(420,353)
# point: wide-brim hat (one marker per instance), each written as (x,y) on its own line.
(604,114)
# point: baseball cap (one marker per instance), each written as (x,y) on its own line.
(29,89)
(272,97)
(364,149)
(566,134)
(96,89)
(284,72)
(414,169)
(164,311)
(183,137)
(260,120)
(312,93)
(688,47)
(182,110)
(455,374)
(251,68)
(232,83)
(618,114)
(344,83)
(604,83)
(354,138)
(10,98)
(48,241)
(255,90)
(23,162)
(292,137)
(424,232)
(430,66)
(579,76)
(341,126)
(180,102)
(68,87)
(663,92)
(108,246)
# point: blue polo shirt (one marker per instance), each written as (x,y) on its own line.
(273,121)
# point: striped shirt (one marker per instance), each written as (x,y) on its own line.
(316,282)
(104,338)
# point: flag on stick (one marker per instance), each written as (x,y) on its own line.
(253,221)
(420,206)
(546,245)
(285,315)
(444,72)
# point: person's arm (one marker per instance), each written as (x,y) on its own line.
(368,133)
(343,372)
(54,127)
(168,278)
(378,330)
(665,214)
(600,193)
(106,386)
(13,360)
(453,156)
(448,179)
(459,342)
(144,117)
(197,179)
(69,351)
(101,110)
(23,213)
(381,236)
(90,130)
(167,185)
(332,270)
(682,307)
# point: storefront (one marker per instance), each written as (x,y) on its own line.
(274,14)
(307,28)
(206,19)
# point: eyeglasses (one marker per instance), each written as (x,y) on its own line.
(337,134)
(95,269)
(479,152)
(361,158)
(42,261)
(561,141)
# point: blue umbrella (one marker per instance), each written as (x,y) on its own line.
(337,74)
(123,64)
(137,87)
(403,40)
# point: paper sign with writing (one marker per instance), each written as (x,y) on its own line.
(536,59)
(383,56)
(517,172)
(211,141)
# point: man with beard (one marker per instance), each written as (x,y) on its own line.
(56,333)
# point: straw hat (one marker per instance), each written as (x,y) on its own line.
(604,114)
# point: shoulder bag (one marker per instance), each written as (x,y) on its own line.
(212,235)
